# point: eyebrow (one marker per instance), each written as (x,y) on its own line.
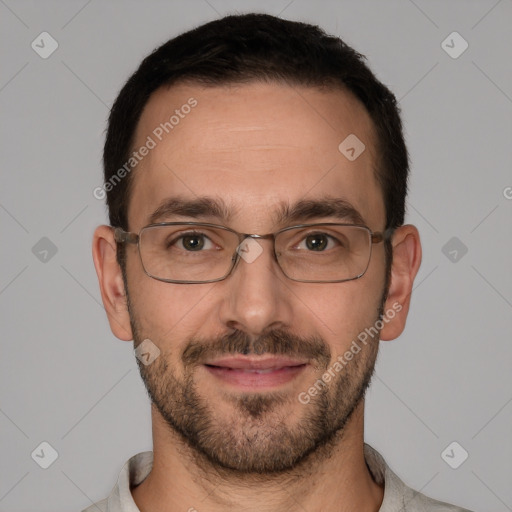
(194,208)
(302,210)
(308,209)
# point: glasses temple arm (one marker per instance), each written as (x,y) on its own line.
(385,235)
(124,237)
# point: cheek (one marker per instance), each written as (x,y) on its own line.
(166,311)
(341,311)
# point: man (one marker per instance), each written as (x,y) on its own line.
(256,174)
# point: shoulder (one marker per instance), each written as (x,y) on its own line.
(101,506)
(398,497)
(420,503)
(134,471)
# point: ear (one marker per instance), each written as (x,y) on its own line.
(406,262)
(111,283)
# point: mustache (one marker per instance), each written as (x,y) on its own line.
(276,342)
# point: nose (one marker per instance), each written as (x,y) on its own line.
(256,296)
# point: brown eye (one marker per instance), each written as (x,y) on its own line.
(190,242)
(316,242)
(193,242)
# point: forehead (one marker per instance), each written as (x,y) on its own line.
(253,147)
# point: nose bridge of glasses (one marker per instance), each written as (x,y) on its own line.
(261,237)
(243,244)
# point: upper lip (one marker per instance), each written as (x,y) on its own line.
(255,363)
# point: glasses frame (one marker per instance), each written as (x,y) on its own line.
(126,237)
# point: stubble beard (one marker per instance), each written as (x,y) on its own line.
(258,436)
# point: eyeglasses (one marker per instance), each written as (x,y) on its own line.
(193,252)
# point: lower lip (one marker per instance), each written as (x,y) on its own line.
(254,380)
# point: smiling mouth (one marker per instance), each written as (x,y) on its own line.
(255,373)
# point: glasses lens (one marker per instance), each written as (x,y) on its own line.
(324,252)
(187,253)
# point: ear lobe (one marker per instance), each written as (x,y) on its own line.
(111,283)
(406,263)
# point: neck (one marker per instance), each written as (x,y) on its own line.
(333,478)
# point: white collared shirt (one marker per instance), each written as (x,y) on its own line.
(397,496)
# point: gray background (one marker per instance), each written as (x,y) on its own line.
(66,380)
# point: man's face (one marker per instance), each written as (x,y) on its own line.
(236,354)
